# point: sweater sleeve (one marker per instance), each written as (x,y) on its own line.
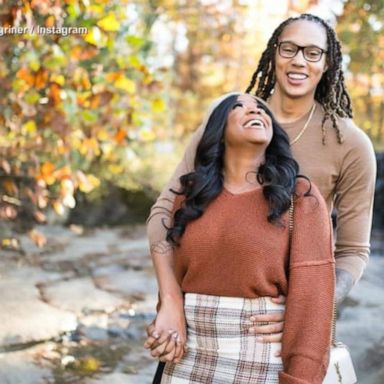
(311,285)
(161,211)
(354,194)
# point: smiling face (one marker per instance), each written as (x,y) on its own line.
(297,77)
(248,123)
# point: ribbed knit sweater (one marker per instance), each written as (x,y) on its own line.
(232,250)
(344,173)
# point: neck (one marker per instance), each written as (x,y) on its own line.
(287,109)
(238,165)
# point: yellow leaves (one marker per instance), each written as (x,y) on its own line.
(147,134)
(109,23)
(102,135)
(86,365)
(10,243)
(96,37)
(56,78)
(116,169)
(89,146)
(158,105)
(125,84)
(81,79)
(87,183)
(29,127)
(83,99)
(46,172)
(50,21)
(120,81)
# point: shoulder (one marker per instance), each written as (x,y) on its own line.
(357,150)
(353,135)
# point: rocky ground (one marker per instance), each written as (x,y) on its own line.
(75,311)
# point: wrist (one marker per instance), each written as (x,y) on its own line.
(172,298)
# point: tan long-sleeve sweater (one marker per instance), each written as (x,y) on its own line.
(232,250)
(344,173)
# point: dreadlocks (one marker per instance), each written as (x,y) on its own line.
(331,92)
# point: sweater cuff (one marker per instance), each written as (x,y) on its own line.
(303,370)
(284,378)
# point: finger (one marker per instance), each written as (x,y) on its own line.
(148,342)
(277,353)
(150,329)
(170,355)
(270,328)
(276,338)
(161,349)
(179,351)
(278,300)
(164,338)
(269,317)
(171,345)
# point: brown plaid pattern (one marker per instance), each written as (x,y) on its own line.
(220,348)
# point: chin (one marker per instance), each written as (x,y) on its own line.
(298,93)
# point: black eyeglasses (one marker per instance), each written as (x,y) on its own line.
(289,50)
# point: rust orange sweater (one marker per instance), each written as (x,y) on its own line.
(232,250)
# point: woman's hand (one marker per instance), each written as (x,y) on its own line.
(167,333)
(276,328)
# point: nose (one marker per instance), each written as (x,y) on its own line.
(299,59)
(252,109)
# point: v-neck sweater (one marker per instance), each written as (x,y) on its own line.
(232,250)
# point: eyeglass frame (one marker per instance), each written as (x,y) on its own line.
(301,48)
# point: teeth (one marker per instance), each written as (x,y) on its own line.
(297,76)
(254,123)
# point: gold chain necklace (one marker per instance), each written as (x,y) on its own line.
(305,126)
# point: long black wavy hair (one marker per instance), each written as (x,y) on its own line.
(277,174)
(331,91)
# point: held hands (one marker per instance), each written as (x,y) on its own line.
(169,343)
(167,333)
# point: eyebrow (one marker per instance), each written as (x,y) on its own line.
(305,46)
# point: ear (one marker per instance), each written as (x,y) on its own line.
(325,67)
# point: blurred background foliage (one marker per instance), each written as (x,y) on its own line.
(85,113)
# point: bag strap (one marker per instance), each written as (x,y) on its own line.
(290,229)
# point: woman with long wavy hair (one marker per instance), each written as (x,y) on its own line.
(234,250)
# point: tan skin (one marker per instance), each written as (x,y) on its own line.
(292,98)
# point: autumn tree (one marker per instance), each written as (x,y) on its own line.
(76,101)
(360,29)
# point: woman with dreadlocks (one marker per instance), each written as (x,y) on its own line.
(300,77)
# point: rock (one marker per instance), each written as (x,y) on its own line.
(122,378)
(80,295)
(359,326)
(24,318)
(128,283)
(19,368)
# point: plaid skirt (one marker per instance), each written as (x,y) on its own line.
(220,348)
